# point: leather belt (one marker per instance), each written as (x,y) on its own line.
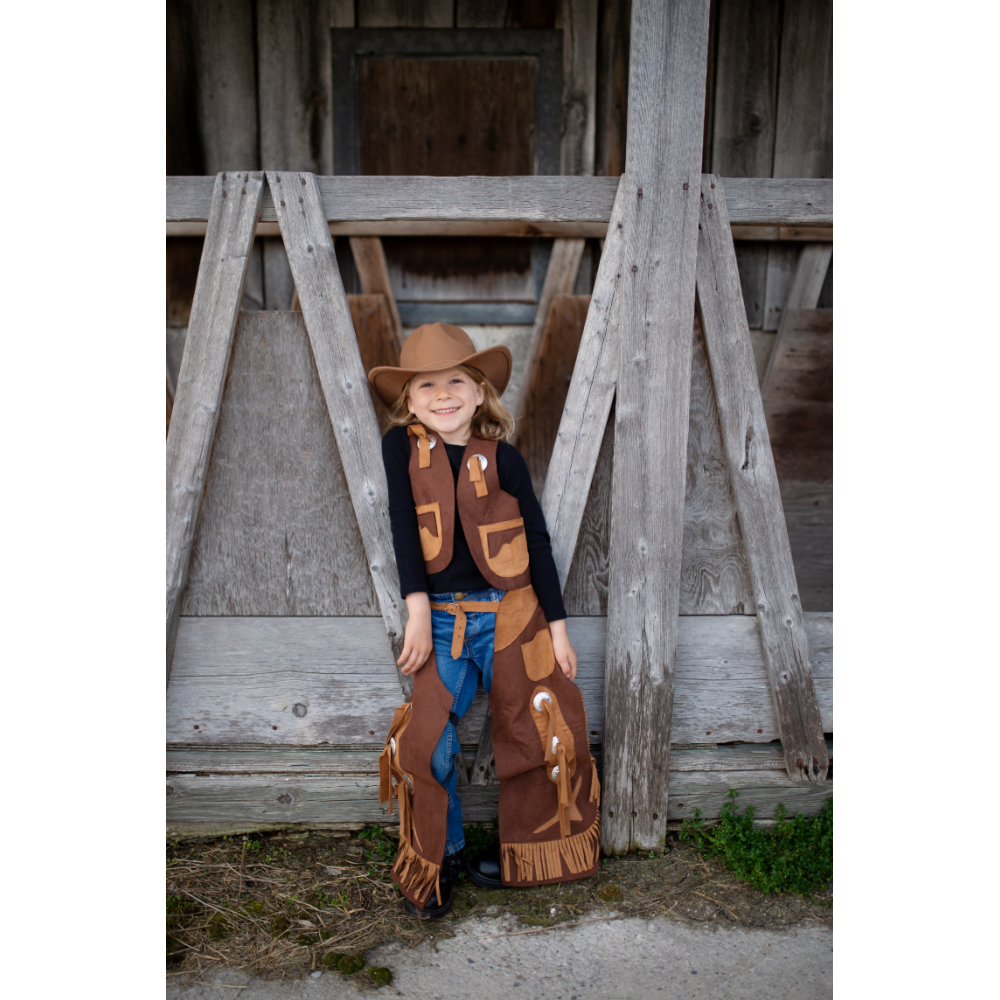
(458,609)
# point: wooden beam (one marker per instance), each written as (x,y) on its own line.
(663,173)
(755,484)
(559,280)
(329,681)
(373,270)
(526,206)
(214,312)
(545,387)
(807,284)
(578,21)
(797,234)
(260,800)
(376,335)
(588,402)
(612,86)
(345,387)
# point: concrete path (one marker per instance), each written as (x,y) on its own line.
(600,960)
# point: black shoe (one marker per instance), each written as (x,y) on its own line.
(484,868)
(437,908)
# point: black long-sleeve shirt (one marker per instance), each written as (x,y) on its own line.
(462,573)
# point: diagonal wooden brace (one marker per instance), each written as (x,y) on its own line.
(755,485)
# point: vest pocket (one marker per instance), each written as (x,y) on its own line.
(539,657)
(430,544)
(505,547)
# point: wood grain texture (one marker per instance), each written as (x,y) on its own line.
(588,402)
(369,259)
(755,484)
(801,363)
(746,86)
(808,508)
(666,119)
(688,761)
(295,69)
(782,259)
(586,588)
(345,387)
(330,799)
(405,13)
(550,380)
(751,258)
(447,117)
(803,140)
(799,234)
(613,36)
(237,679)
(277,533)
(559,280)
(202,375)
(484,767)
(578,21)
(714,577)
(374,329)
(537,205)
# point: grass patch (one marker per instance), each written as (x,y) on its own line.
(795,855)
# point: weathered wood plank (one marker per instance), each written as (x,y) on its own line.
(668,64)
(714,578)
(751,258)
(345,387)
(797,234)
(559,280)
(586,588)
(484,768)
(803,141)
(405,13)
(808,508)
(546,383)
(807,284)
(588,402)
(369,259)
(277,533)
(237,678)
(374,328)
(578,21)
(746,86)
(269,798)
(202,376)
(800,368)
(755,484)
(615,18)
(781,260)
(535,206)
(741,757)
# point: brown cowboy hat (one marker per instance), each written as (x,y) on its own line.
(436,347)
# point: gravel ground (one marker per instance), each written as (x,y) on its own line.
(610,958)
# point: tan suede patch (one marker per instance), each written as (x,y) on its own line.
(539,658)
(515,612)
(430,544)
(559,729)
(511,558)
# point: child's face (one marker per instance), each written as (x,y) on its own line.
(446,402)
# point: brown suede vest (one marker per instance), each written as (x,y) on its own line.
(549,793)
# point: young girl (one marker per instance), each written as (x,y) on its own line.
(482,591)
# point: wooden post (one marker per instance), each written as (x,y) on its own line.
(214,312)
(666,112)
(755,485)
(373,270)
(335,349)
(559,280)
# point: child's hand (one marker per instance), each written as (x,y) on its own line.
(418,643)
(563,648)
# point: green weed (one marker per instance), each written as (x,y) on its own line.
(794,855)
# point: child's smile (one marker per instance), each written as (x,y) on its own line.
(446,402)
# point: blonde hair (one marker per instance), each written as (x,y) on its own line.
(492,420)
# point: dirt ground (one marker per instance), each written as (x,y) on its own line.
(279,904)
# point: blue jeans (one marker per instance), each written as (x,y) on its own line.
(460,677)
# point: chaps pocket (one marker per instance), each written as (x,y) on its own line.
(539,659)
(505,547)
(430,544)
